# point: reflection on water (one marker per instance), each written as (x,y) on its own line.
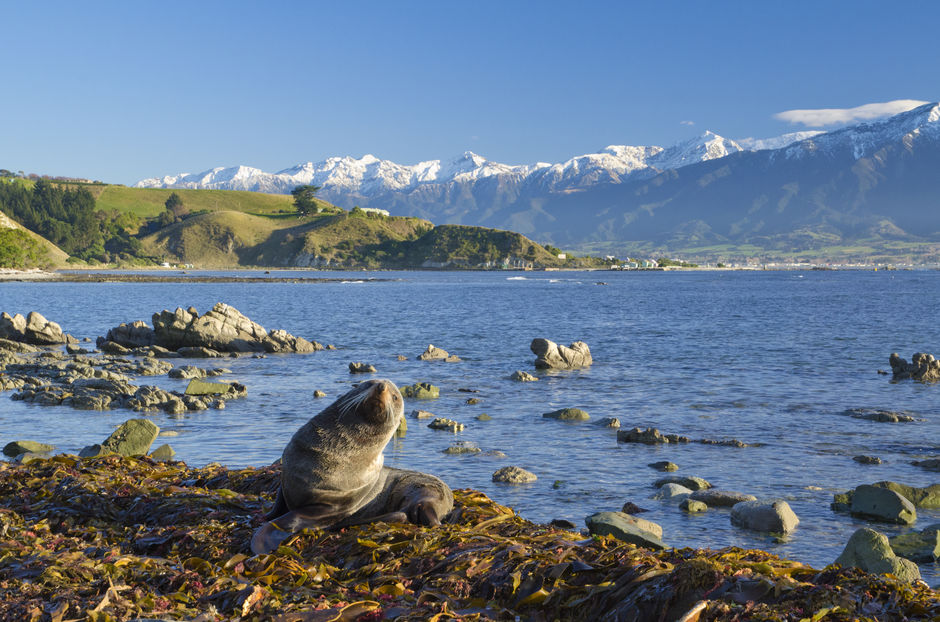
(759,357)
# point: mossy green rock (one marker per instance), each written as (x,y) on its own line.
(927,497)
(882,504)
(869,550)
(483,417)
(163,453)
(421,391)
(16,448)
(625,527)
(132,438)
(918,546)
(30,456)
(693,507)
(567,414)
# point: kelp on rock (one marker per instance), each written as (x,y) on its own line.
(116,538)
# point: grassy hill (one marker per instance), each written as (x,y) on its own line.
(229,229)
(21,248)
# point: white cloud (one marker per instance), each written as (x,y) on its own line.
(821,117)
(686,122)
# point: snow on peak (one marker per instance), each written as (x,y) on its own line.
(777,142)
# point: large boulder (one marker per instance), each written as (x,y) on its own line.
(882,504)
(223,329)
(550,355)
(33,328)
(869,550)
(627,528)
(918,546)
(134,335)
(774,516)
(923,367)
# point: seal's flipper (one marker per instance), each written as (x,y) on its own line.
(391,517)
(270,535)
(423,513)
(280,506)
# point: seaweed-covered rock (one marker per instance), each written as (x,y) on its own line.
(927,497)
(433,353)
(882,504)
(442,423)
(869,550)
(550,355)
(462,448)
(774,516)
(513,475)
(361,368)
(567,414)
(421,391)
(923,367)
(627,528)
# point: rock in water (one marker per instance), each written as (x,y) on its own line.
(550,355)
(720,498)
(132,438)
(33,329)
(869,550)
(567,414)
(361,368)
(134,335)
(627,528)
(774,516)
(918,546)
(513,475)
(163,453)
(923,367)
(421,391)
(433,353)
(521,376)
(882,504)
(222,329)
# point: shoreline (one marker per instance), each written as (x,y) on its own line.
(133,537)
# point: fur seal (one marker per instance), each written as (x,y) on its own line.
(333,473)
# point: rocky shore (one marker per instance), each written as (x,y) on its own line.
(173,540)
(116,538)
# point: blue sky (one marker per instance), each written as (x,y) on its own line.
(122,91)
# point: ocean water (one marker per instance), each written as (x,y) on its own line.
(762,357)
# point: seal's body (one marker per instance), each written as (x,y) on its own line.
(332,471)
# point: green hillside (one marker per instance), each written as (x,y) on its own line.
(230,229)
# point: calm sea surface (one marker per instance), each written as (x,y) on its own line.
(769,357)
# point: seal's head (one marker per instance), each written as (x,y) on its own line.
(374,405)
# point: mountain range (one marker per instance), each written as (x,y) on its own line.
(871,185)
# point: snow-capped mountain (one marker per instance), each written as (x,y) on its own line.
(368,175)
(861,180)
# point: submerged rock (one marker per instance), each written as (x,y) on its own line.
(361,368)
(567,414)
(869,550)
(462,448)
(923,367)
(522,376)
(649,436)
(931,464)
(513,475)
(714,497)
(550,355)
(918,546)
(879,415)
(664,465)
(627,528)
(692,506)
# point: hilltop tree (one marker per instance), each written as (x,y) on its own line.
(174,205)
(304,199)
